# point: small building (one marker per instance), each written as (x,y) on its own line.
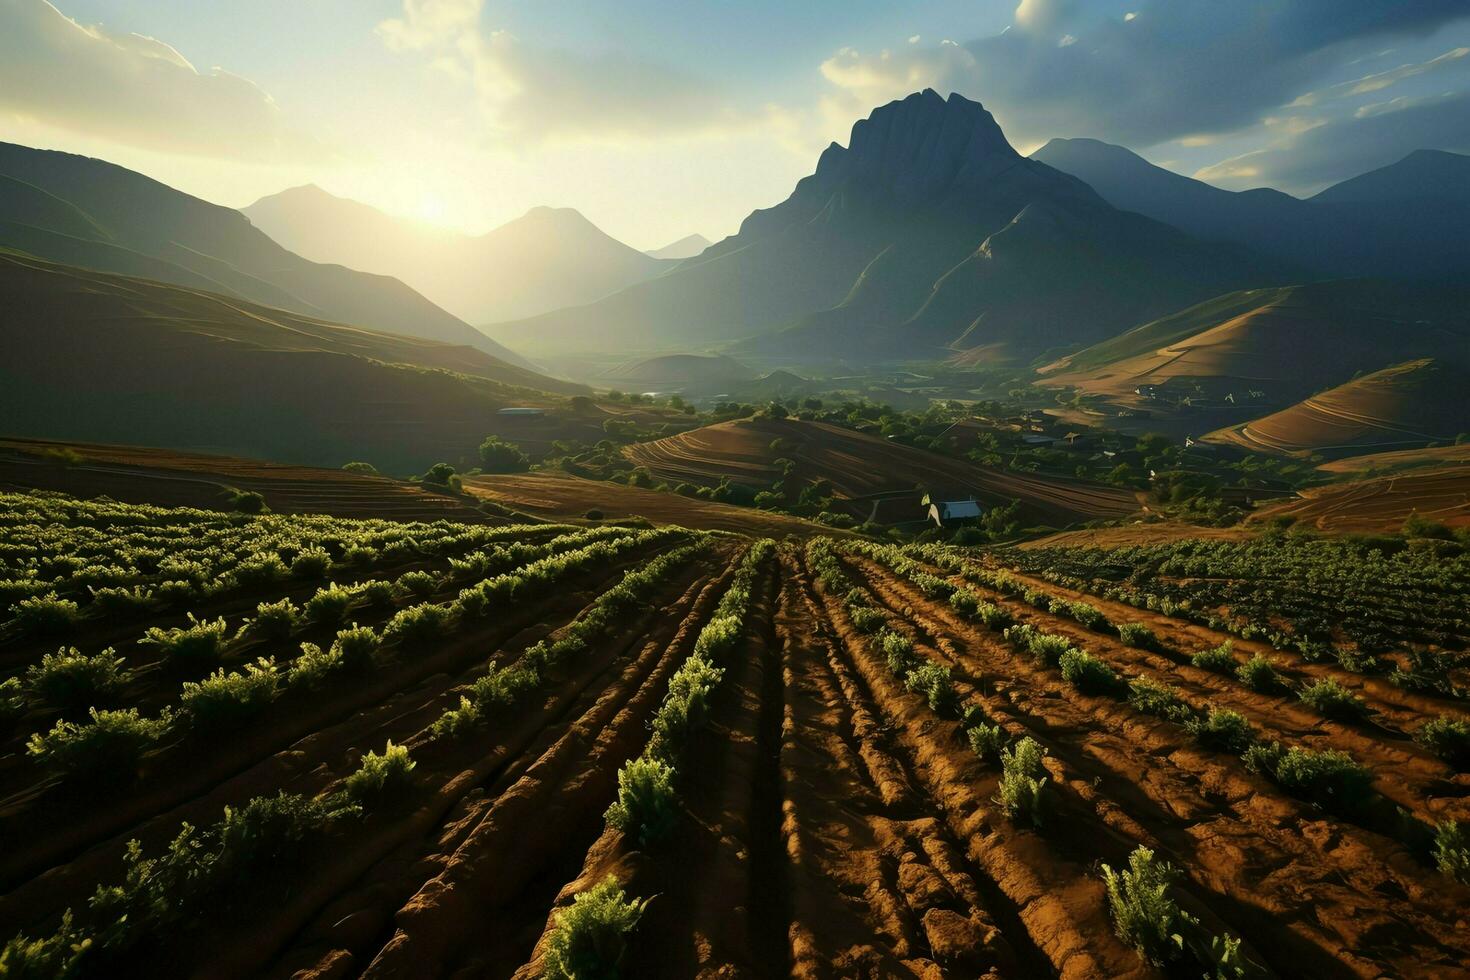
(954,510)
(1146,391)
(521,412)
(1036,439)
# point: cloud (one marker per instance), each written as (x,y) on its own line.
(1176,68)
(134,90)
(1343,148)
(530,93)
(1382,80)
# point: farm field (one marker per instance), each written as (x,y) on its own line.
(396,749)
(558,496)
(144,475)
(1380,503)
(857,464)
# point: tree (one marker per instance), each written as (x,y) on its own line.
(366,469)
(776,410)
(500,456)
(439,474)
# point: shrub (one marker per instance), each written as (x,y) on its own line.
(1138,635)
(1154,698)
(117,601)
(899,651)
(1021,781)
(275,620)
(683,707)
(992,617)
(328,607)
(357,645)
(1332,700)
(311,563)
(1223,730)
(418,624)
(1429,672)
(1049,648)
(1088,674)
(1258,675)
(419,585)
(988,741)
(223,700)
(866,619)
(1329,778)
(69,679)
(366,469)
(932,680)
(45,615)
(376,593)
(499,456)
(965,602)
(1452,851)
(379,778)
(12,701)
(1220,659)
(1448,738)
(647,805)
(107,747)
(1144,915)
(247,501)
(260,570)
(54,957)
(312,666)
(589,937)
(201,642)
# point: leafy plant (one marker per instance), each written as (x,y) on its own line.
(1021,781)
(1258,674)
(899,651)
(381,777)
(69,679)
(1144,915)
(46,615)
(275,620)
(201,642)
(1332,700)
(588,938)
(418,624)
(1329,778)
(987,741)
(328,607)
(866,619)
(311,563)
(933,681)
(1448,738)
(1138,635)
(1222,729)
(1220,659)
(12,701)
(647,804)
(108,747)
(1154,698)
(1088,674)
(58,956)
(224,700)
(1452,850)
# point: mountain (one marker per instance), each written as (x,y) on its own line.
(1422,175)
(1403,406)
(545,259)
(85,212)
(1283,342)
(1407,220)
(927,234)
(683,371)
(686,247)
(93,356)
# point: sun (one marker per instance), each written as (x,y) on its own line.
(432,209)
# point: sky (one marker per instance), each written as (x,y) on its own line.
(659,118)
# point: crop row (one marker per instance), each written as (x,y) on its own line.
(1330,778)
(588,938)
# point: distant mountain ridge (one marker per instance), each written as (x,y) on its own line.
(91,213)
(685,248)
(546,259)
(1410,219)
(927,234)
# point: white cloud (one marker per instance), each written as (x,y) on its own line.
(1379,81)
(530,93)
(133,90)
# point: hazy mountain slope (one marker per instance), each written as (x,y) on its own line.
(1286,342)
(686,247)
(1406,405)
(53,202)
(1405,220)
(545,259)
(927,230)
(101,357)
(681,370)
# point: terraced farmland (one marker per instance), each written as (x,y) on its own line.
(561,751)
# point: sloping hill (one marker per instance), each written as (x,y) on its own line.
(1406,220)
(686,247)
(1285,342)
(859,465)
(927,233)
(102,358)
(143,475)
(1382,503)
(91,213)
(1406,405)
(546,259)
